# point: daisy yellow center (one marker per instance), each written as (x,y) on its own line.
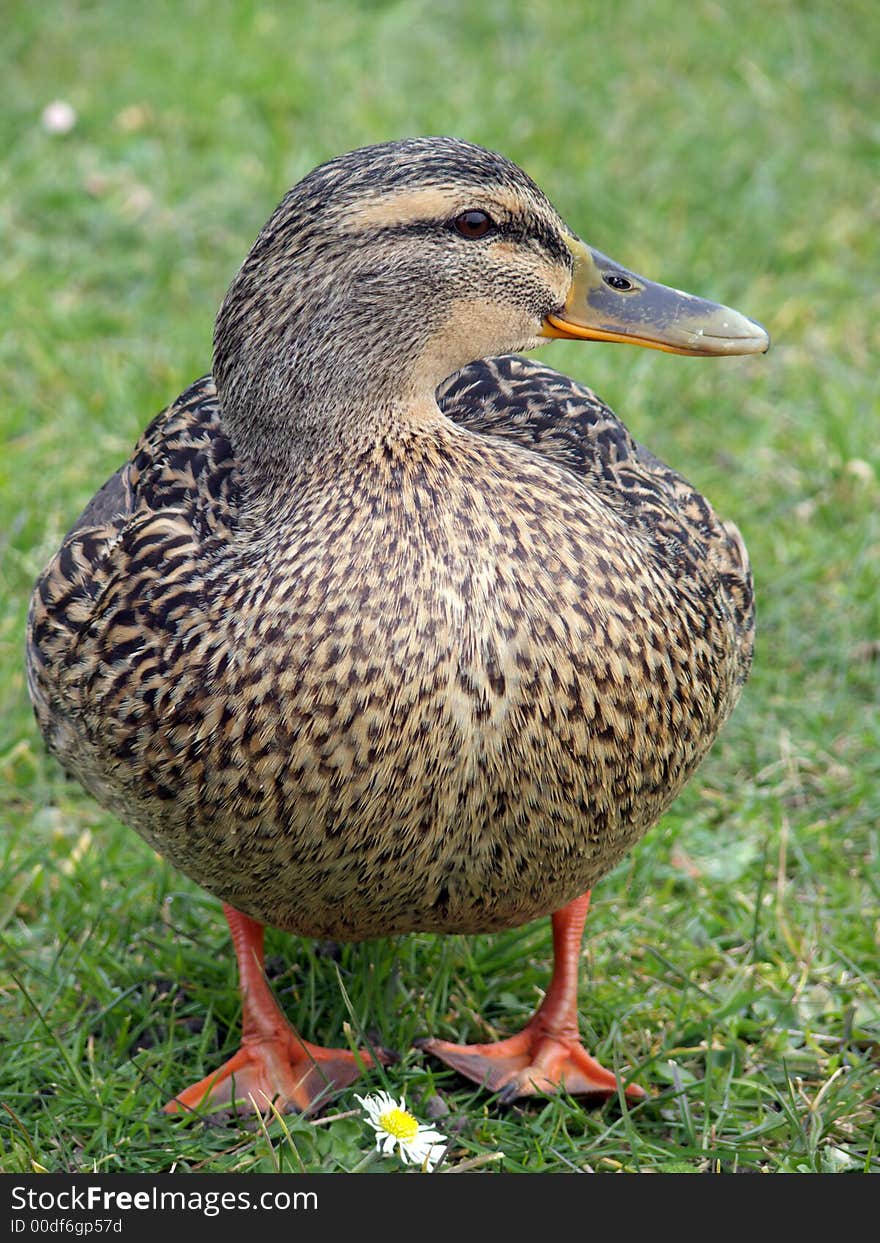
(400,1124)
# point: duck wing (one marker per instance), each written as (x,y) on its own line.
(181,478)
(517,400)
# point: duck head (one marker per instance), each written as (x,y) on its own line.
(387,269)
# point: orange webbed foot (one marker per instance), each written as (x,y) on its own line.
(547,1055)
(274,1067)
(530,1063)
(282,1071)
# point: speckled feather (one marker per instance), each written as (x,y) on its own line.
(453,708)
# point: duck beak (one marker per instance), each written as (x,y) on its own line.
(609,303)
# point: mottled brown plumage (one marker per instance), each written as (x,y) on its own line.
(360,664)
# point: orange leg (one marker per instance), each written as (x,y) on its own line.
(547,1054)
(274,1063)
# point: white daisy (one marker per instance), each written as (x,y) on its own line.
(394,1125)
(59,117)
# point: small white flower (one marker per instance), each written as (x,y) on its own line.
(394,1125)
(59,117)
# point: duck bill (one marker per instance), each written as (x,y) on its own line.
(607,302)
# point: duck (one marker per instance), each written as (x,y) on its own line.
(385,628)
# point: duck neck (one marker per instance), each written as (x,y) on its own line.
(313,379)
(312,412)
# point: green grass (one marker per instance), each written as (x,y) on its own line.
(727,148)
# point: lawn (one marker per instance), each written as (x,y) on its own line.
(726,148)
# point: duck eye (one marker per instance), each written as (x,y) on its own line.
(616,281)
(473,224)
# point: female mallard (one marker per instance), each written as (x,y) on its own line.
(363,656)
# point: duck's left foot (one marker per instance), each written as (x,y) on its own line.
(529,1063)
(547,1054)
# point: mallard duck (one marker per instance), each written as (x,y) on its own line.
(383,628)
